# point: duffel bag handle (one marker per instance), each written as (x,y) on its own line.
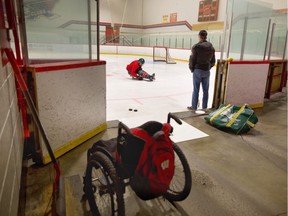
(235,116)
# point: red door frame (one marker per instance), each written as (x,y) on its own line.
(8,22)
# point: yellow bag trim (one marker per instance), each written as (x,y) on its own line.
(250,123)
(235,116)
(219,112)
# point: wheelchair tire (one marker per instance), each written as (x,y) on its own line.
(176,191)
(102,187)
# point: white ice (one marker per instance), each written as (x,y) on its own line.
(170,92)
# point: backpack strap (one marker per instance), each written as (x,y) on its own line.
(157,135)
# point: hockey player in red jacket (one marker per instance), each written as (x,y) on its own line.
(135,70)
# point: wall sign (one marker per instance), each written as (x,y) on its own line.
(208,10)
(173,17)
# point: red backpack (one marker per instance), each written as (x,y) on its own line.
(155,168)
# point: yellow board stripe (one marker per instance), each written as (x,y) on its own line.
(256,105)
(72,144)
(250,123)
(219,112)
(235,116)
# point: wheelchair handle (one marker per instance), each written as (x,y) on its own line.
(170,115)
(124,127)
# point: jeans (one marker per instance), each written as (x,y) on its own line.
(200,76)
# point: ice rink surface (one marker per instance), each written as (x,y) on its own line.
(170,92)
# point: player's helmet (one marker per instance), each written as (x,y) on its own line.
(141,60)
(203,33)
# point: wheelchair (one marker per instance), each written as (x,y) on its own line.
(105,177)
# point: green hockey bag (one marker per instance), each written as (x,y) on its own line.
(232,118)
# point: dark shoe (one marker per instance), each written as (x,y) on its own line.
(152,77)
(206,110)
(139,77)
(191,109)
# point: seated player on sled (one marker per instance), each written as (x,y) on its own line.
(135,70)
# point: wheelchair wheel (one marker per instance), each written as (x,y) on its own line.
(102,187)
(181,183)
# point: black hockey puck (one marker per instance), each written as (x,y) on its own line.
(130,109)
(135,110)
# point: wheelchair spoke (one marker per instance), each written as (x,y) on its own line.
(106,198)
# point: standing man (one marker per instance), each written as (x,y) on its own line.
(201,60)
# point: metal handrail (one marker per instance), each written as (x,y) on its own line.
(122,38)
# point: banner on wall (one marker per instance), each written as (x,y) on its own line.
(165,19)
(208,10)
(173,17)
(112,34)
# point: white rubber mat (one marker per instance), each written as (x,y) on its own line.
(181,132)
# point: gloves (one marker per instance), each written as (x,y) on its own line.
(191,68)
(190,64)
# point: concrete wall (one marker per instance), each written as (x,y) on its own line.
(11,142)
(185,9)
(148,12)
(121,11)
(276,5)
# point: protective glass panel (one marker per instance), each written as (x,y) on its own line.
(248,32)
(173,41)
(256,36)
(167,41)
(56,32)
(215,39)
(160,41)
(145,41)
(187,42)
(152,41)
(279,37)
(236,39)
(94,28)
